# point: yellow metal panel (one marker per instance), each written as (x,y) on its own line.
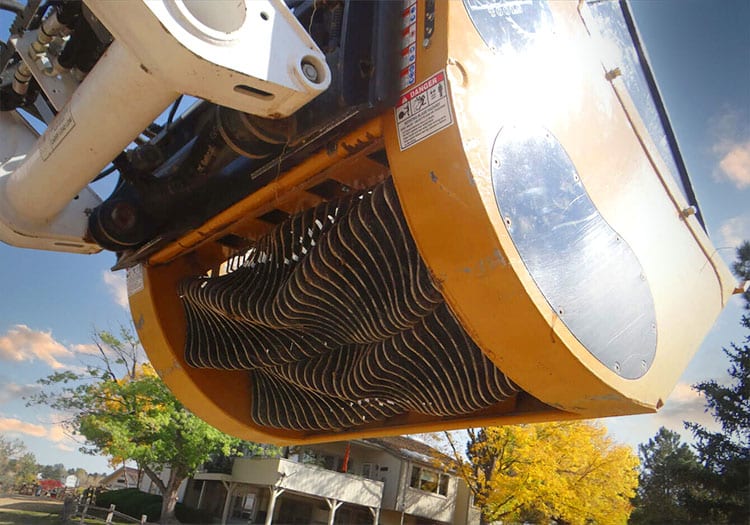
(446,190)
(445,187)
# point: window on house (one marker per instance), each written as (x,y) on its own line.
(370,471)
(429,480)
(443,487)
(329,462)
(335,463)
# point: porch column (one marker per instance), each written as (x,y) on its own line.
(334,506)
(375,511)
(275,493)
(200,496)
(227,501)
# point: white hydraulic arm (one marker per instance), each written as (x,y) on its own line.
(249,55)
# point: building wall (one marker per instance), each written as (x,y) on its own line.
(308,485)
(390,517)
(308,479)
(146,484)
(361,455)
(389,471)
(395,473)
(192,492)
(214,496)
(433,506)
(465,511)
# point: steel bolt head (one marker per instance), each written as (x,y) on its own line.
(310,72)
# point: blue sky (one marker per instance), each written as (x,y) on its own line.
(700,52)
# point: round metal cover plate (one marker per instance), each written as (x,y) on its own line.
(588,274)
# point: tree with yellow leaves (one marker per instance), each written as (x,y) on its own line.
(569,472)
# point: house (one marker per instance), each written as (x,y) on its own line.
(147,484)
(49,487)
(122,478)
(395,480)
(128,477)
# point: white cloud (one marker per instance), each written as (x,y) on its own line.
(21,343)
(9,425)
(117,287)
(731,146)
(735,164)
(89,349)
(56,432)
(46,438)
(685,404)
(735,230)
(11,391)
(53,432)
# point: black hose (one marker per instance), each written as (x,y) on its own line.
(335,32)
(84,48)
(173,111)
(105,172)
(196,168)
(12,6)
(68,13)
(36,20)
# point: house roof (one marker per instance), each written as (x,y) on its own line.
(130,472)
(411,449)
(50,484)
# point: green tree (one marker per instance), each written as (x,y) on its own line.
(222,464)
(84,478)
(24,468)
(667,483)
(14,463)
(56,471)
(741,269)
(570,472)
(726,454)
(123,410)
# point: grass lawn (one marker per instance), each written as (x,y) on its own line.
(28,510)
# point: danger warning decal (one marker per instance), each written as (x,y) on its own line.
(408,43)
(423,111)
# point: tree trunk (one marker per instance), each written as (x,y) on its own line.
(154,478)
(169,500)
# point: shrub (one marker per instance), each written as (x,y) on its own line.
(189,515)
(135,503)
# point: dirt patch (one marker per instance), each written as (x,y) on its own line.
(30,503)
(28,510)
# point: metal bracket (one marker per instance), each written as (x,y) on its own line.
(251,55)
(57,87)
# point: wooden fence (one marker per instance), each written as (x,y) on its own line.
(72,512)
